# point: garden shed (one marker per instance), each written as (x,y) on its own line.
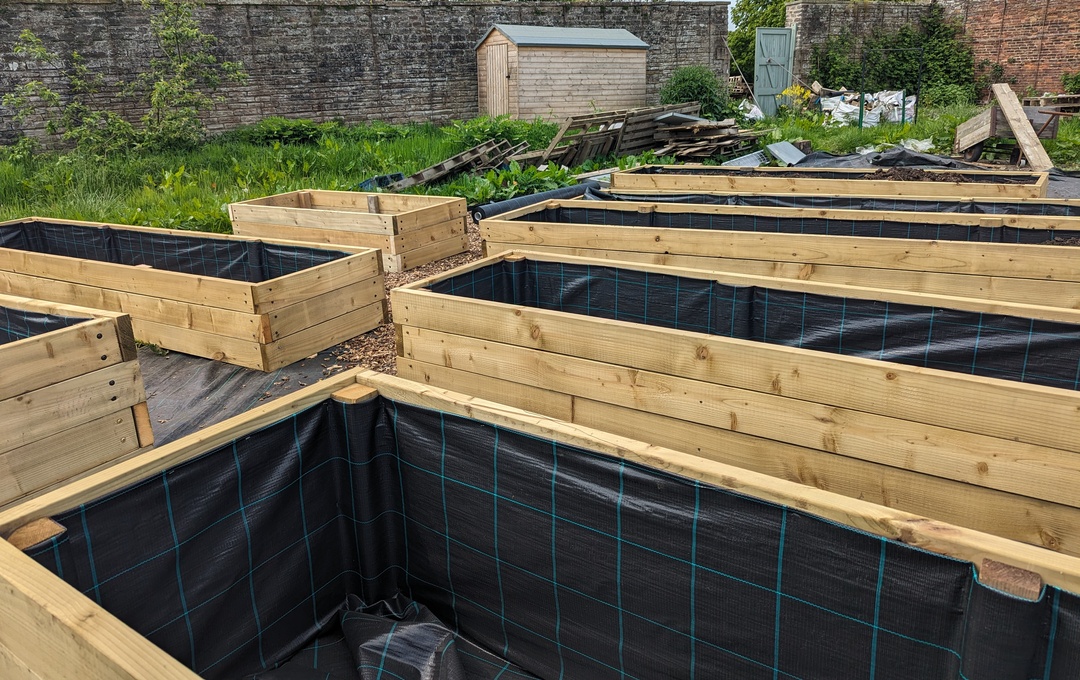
(553,72)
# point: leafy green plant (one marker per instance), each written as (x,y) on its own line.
(749,15)
(986,74)
(697,84)
(948,95)
(1070,82)
(276,129)
(499,185)
(467,134)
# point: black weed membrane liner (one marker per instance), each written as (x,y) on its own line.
(997,346)
(965,206)
(894,227)
(383,540)
(972,176)
(19,324)
(249,261)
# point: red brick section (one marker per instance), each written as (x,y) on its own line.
(1035,40)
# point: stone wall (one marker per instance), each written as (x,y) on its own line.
(349,59)
(818,20)
(1035,40)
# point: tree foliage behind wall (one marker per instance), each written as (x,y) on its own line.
(748,16)
(890,60)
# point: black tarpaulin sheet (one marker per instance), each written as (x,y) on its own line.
(966,206)
(19,324)
(998,346)
(526,556)
(250,261)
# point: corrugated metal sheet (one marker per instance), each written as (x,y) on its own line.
(554,36)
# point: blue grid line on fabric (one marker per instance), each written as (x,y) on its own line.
(1027,350)
(251,560)
(885,333)
(877,610)
(618,571)
(1052,638)
(645,548)
(96,587)
(352,484)
(779,592)
(401,480)
(303,518)
(495,540)
(386,647)
(554,547)
(179,575)
(693,579)
(18,324)
(446,521)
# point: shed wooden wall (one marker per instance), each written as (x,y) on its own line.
(496,38)
(558,82)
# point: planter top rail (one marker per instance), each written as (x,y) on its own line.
(353,210)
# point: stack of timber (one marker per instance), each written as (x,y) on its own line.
(480,158)
(969,255)
(1068,103)
(991,454)
(1020,124)
(71,394)
(56,631)
(865,182)
(261,304)
(705,139)
(410,230)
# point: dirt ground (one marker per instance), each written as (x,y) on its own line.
(377,349)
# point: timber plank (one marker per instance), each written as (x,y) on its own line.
(292,288)
(320,336)
(286,321)
(425,254)
(239,351)
(350,220)
(1029,142)
(1026,520)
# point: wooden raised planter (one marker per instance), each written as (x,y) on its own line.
(410,230)
(828,181)
(71,393)
(804,243)
(262,304)
(52,630)
(982,452)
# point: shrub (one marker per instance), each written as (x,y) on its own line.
(469,133)
(1070,83)
(948,95)
(278,130)
(697,84)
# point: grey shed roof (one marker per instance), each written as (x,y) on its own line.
(553,36)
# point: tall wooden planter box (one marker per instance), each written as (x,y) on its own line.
(410,230)
(829,181)
(626,347)
(517,524)
(262,304)
(996,257)
(71,393)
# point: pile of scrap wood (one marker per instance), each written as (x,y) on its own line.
(1005,117)
(480,158)
(702,139)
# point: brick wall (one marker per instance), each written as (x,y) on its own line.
(817,20)
(323,59)
(1035,40)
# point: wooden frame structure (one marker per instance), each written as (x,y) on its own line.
(995,271)
(263,325)
(71,399)
(52,630)
(694,177)
(973,451)
(411,230)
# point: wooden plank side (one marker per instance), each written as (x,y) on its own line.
(296,287)
(38,414)
(1056,569)
(424,236)
(1064,294)
(1026,470)
(65,454)
(1021,519)
(240,351)
(998,259)
(425,254)
(200,290)
(974,130)
(297,317)
(312,234)
(313,219)
(12,668)
(169,455)
(59,633)
(1029,142)
(35,362)
(1034,414)
(207,318)
(320,336)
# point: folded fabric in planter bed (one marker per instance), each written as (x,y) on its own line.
(389,540)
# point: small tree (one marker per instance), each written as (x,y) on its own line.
(748,16)
(697,84)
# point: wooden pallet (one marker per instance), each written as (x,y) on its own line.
(997,271)
(263,325)
(489,154)
(993,455)
(57,632)
(71,398)
(410,230)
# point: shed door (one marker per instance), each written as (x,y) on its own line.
(774,56)
(498,80)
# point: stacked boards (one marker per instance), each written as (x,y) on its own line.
(71,394)
(411,230)
(261,304)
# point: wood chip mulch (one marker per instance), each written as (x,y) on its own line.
(377,349)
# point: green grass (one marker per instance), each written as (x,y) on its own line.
(191,190)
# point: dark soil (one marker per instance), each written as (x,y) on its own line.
(1074,241)
(902,174)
